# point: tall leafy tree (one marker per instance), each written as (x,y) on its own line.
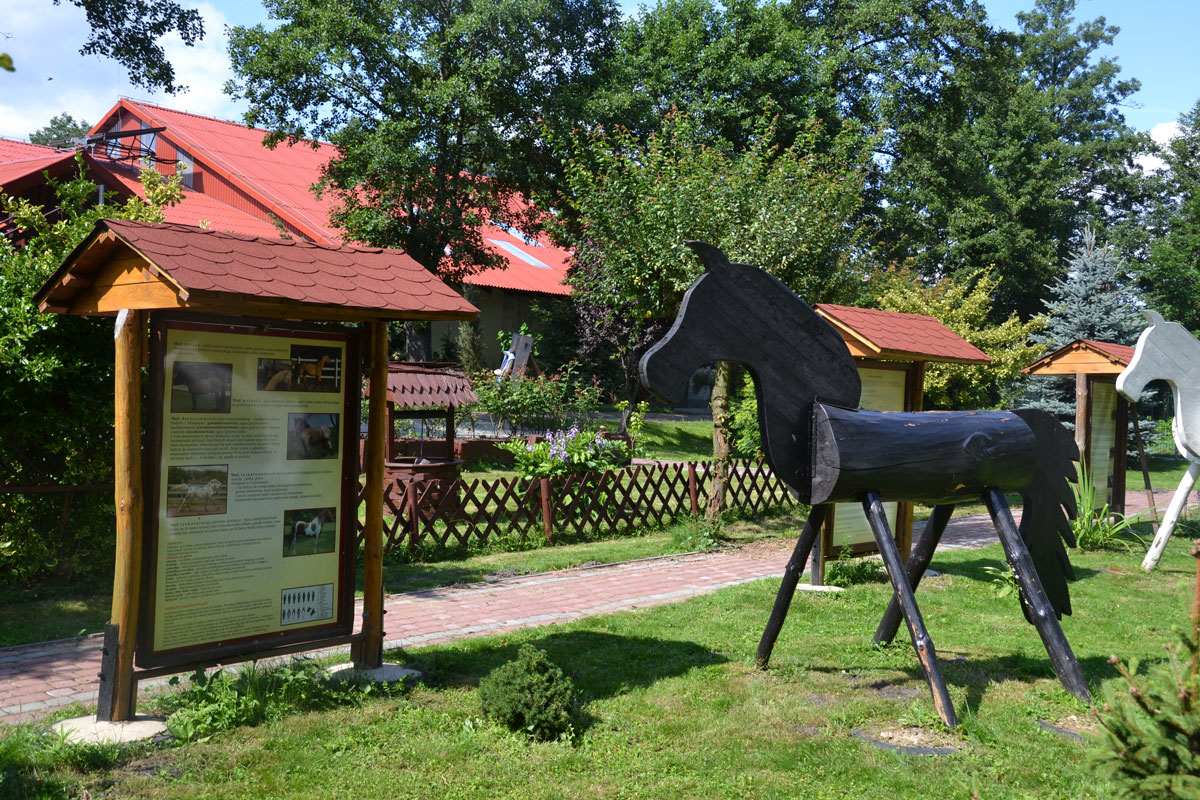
(434,107)
(1006,150)
(1171,278)
(60,128)
(786,209)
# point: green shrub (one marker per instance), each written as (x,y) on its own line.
(1098,529)
(220,702)
(568,452)
(700,533)
(1151,746)
(849,570)
(536,403)
(530,694)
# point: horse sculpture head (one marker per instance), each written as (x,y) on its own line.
(739,313)
(1167,351)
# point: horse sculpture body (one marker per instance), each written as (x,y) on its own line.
(826,449)
(1167,351)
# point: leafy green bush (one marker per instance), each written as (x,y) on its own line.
(747,441)
(1151,745)
(566,452)
(700,533)
(1098,529)
(849,570)
(219,702)
(530,694)
(535,403)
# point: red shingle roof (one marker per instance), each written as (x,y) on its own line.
(414,384)
(914,337)
(1083,355)
(367,279)
(1121,352)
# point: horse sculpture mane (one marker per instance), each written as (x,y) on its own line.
(827,450)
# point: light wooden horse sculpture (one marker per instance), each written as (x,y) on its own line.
(828,450)
(1167,351)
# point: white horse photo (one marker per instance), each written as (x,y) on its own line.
(1167,351)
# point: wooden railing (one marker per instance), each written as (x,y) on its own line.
(589,505)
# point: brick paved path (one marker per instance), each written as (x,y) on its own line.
(34,679)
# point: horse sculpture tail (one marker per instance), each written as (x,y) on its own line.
(1049,507)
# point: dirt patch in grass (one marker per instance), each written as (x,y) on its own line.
(896,735)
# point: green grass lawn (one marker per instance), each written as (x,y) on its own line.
(672,706)
(678,441)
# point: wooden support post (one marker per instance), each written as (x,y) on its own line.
(787,589)
(917,563)
(130,331)
(1040,612)
(1083,418)
(692,489)
(369,653)
(547,514)
(908,604)
(1137,437)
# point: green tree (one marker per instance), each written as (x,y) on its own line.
(60,128)
(434,107)
(1019,143)
(1171,278)
(129,31)
(964,305)
(786,209)
(56,381)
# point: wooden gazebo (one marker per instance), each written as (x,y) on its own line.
(253,448)
(1101,414)
(891,349)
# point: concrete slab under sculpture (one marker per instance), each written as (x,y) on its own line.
(1167,351)
(388,673)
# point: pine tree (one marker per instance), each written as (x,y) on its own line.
(1093,302)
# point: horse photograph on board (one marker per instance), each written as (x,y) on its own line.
(315,369)
(197,490)
(1167,351)
(827,449)
(201,387)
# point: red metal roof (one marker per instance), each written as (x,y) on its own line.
(20,160)
(280,179)
(198,260)
(414,384)
(913,336)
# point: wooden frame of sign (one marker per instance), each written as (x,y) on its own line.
(251,480)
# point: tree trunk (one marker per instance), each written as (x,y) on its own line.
(722,452)
(419,337)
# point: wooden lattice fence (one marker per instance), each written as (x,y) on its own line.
(598,504)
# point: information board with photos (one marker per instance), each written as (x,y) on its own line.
(251,475)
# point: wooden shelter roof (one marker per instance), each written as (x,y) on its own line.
(1084,356)
(428,384)
(892,335)
(146,265)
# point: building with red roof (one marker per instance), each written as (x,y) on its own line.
(234,183)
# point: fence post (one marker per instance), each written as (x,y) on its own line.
(414,517)
(692,488)
(547,515)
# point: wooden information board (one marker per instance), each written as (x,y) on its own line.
(251,476)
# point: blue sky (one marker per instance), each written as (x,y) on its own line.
(1157,45)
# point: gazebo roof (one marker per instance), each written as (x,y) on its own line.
(425,384)
(893,335)
(146,265)
(1084,356)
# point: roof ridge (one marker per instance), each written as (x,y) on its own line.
(349,248)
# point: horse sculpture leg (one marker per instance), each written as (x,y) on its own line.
(1040,611)
(791,576)
(1178,500)
(918,562)
(908,604)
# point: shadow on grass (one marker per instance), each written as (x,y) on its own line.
(601,664)
(975,569)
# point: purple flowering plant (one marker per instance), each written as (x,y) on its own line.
(566,452)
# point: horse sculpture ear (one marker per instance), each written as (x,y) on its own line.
(711,257)
(1153,317)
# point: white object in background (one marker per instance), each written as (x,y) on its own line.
(1167,351)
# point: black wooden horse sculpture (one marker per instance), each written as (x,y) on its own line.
(827,450)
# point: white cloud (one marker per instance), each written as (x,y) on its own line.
(1161,134)
(52,78)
